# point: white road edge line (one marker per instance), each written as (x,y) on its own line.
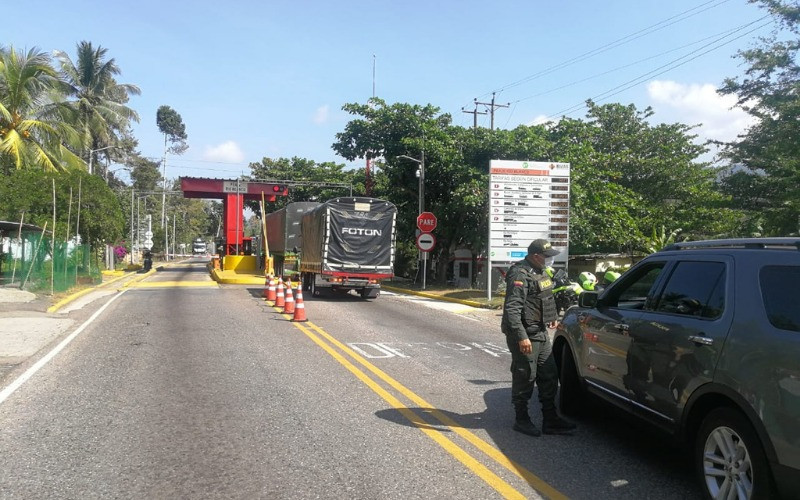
(16,384)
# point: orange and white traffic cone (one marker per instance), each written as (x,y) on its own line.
(299,307)
(272,290)
(279,297)
(267,281)
(288,307)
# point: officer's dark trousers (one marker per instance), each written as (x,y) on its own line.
(539,366)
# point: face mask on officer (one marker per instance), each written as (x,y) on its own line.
(549,261)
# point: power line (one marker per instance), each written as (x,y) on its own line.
(656,56)
(660,70)
(617,43)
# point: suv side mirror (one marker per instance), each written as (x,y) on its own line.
(588,299)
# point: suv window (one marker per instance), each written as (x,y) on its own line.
(695,289)
(781,296)
(637,288)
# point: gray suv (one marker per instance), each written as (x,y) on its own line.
(701,339)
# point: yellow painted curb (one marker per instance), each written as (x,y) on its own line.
(69,298)
(437,297)
(242,279)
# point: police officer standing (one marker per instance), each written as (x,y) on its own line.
(529,309)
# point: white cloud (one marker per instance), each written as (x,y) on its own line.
(321,115)
(538,120)
(698,104)
(227,152)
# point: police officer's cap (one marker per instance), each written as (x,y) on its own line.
(542,247)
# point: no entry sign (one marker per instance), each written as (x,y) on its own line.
(426,242)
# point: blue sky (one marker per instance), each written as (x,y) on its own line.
(266,78)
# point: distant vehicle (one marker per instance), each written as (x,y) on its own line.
(701,339)
(198,246)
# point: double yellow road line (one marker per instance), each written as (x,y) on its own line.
(328,342)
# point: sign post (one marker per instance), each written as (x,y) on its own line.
(426,222)
(527,200)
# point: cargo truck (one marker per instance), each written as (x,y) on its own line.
(348,244)
(284,237)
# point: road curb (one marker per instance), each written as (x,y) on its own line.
(471,303)
(69,298)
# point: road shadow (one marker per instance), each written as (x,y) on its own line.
(593,463)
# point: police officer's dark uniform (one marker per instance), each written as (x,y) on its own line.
(529,306)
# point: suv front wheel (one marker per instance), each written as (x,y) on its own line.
(729,459)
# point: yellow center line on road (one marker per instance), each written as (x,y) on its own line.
(174,284)
(492,479)
(532,479)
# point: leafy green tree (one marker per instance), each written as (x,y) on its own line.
(99,101)
(35,122)
(658,163)
(31,191)
(308,180)
(601,215)
(767,157)
(144,173)
(391,132)
(627,174)
(171,125)
(659,240)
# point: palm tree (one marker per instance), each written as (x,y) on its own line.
(99,100)
(35,125)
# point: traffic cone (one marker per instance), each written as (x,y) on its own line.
(267,281)
(279,297)
(299,307)
(271,291)
(288,307)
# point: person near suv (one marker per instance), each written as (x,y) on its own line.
(528,310)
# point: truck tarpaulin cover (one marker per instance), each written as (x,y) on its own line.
(283,226)
(350,234)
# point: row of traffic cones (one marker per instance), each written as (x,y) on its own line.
(282,296)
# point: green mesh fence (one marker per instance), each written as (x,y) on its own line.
(34,263)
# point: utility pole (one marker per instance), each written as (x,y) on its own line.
(492,106)
(132,220)
(368,168)
(164,176)
(474,114)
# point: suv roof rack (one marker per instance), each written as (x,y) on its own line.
(737,243)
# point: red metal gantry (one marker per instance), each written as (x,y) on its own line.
(232,193)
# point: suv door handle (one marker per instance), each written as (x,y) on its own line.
(622,327)
(701,340)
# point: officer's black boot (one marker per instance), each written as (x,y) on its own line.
(554,424)
(523,423)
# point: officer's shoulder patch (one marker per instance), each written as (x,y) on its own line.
(519,283)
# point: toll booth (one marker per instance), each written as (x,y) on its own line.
(233,193)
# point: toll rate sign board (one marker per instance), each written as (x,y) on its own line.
(527,200)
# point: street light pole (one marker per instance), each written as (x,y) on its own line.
(91,156)
(421,177)
(421,188)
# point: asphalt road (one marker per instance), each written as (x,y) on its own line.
(184,389)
